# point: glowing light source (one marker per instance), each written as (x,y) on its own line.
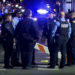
(21,0)
(42,11)
(35,19)
(0,25)
(9,4)
(48,6)
(23,10)
(4,0)
(54,10)
(16,5)
(20,7)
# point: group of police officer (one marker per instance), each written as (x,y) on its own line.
(59,33)
(22,33)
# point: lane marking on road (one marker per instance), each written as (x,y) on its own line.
(48,69)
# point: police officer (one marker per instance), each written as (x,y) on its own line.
(57,19)
(16,53)
(26,32)
(48,33)
(71,43)
(7,36)
(62,34)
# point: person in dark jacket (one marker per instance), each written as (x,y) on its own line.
(71,43)
(48,33)
(26,32)
(7,37)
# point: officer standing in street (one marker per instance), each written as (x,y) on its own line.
(26,32)
(48,33)
(62,34)
(16,53)
(71,43)
(57,19)
(7,36)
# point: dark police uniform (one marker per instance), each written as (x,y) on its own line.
(7,36)
(26,32)
(48,33)
(57,19)
(71,45)
(16,52)
(61,38)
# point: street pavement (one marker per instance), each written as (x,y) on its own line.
(41,69)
